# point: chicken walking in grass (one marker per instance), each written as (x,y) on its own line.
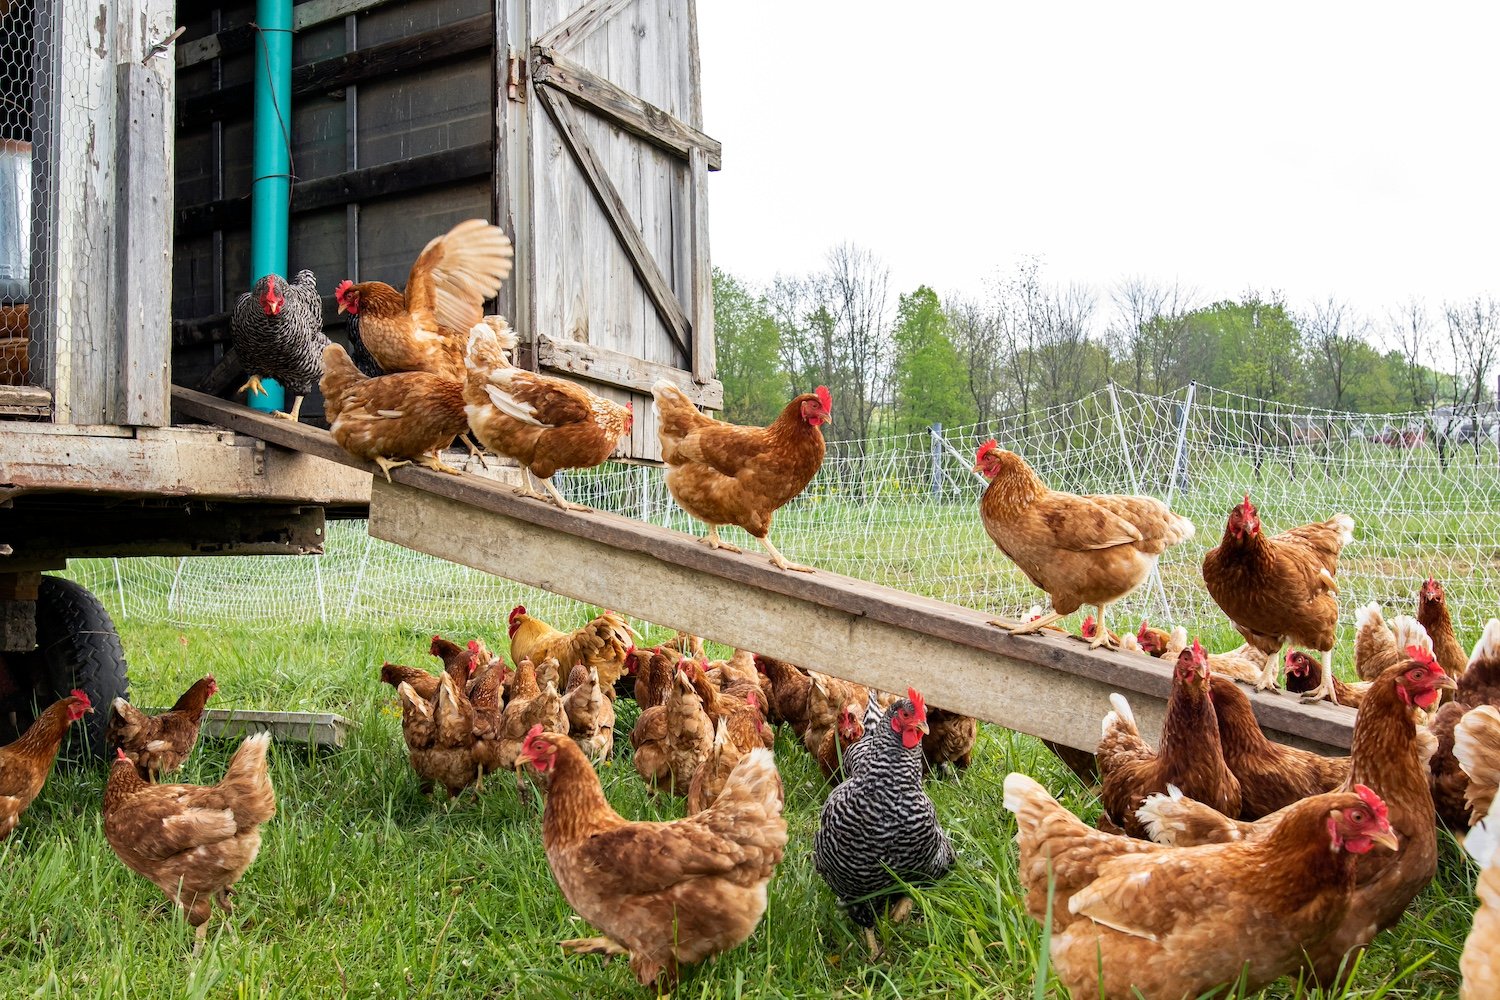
(277,329)
(192,841)
(878,828)
(158,744)
(1081,550)
(722,473)
(25,764)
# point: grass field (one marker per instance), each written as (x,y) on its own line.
(365,888)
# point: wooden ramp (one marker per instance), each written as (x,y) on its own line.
(1050,687)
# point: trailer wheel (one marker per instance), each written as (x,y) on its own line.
(77,647)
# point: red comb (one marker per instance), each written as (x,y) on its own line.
(1246,505)
(986,448)
(825,399)
(1378,807)
(1141,632)
(1423,656)
(341,288)
(1198,653)
(1088,628)
(918,705)
(120,755)
(78,693)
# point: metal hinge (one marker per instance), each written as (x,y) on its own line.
(513,71)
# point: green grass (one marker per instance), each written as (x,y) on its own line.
(366,888)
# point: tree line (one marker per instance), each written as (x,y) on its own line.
(1025,343)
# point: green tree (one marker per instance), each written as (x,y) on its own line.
(930,379)
(748,342)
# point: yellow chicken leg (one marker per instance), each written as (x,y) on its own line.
(608,947)
(1101,634)
(467,437)
(528,486)
(386,465)
(292,416)
(558,499)
(713,541)
(436,464)
(253,385)
(1325,686)
(1268,674)
(1036,624)
(779,561)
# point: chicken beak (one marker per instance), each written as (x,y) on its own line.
(925,729)
(1447,683)
(1387,839)
(342,310)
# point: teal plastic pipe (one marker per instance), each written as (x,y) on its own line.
(270,191)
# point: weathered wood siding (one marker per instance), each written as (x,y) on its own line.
(411,115)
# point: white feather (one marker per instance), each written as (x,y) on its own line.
(1488,646)
(1122,707)
(512,407)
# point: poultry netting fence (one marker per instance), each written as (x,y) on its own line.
(1423,488)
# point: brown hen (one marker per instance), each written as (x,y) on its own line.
(158,744)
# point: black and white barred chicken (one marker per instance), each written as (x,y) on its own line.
(879,829)
(277,330)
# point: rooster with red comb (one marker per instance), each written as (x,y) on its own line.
(879,830)
(722,473)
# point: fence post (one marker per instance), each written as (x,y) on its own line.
(937,460)
(1179,458)
(1135,482)
(359,574)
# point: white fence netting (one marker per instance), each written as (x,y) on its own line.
(1424,490)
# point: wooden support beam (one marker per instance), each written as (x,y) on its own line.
(622,108)
(25,401)
(578,25)
(1049,687)
(419,173)
(658,289)
(241,38)
(473,34)
(599,364)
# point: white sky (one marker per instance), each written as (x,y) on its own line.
(1316,148)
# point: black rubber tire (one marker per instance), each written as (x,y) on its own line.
(77,647)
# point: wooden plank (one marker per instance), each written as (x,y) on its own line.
(577,26)
(700,280)
(560,109)
(176,461)
(419,173)
(143,254)
(25,401)
(319,729)
(600,364)
(242,38)
(450,41)
(695,73)
(624,109)
(1052,688)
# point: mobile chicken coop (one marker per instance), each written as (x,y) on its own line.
(146,154)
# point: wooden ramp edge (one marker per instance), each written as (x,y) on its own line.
(1050,687)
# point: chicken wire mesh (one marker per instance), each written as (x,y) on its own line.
(1424,490)
(19,58)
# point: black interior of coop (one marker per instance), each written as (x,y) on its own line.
(392,140)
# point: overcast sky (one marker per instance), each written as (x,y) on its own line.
(1314,148)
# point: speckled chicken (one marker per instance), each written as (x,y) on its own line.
(277,329)
(879,825)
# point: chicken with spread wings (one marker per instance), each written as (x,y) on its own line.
(665,894)
(723,473)
(1079,549)
(426,327)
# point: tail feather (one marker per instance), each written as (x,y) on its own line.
(1483,838)
(250,775)
(676,414)
(1369,616)
(1121,713)
(1345,525)
(487,347)
(1476,747)
(1409,632)
(339,373)
(1487,649)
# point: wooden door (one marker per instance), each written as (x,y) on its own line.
(604,171)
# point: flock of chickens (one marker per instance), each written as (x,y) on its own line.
(1220,856)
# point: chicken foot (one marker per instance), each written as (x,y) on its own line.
(253,385)
(386,465)
(467,437)
(558,499)
(713,541)
(294,415)
(1024,628)
(1101,634)
(1269,673)
(608,947)
(779,561)
(1325,686)
(434,462)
